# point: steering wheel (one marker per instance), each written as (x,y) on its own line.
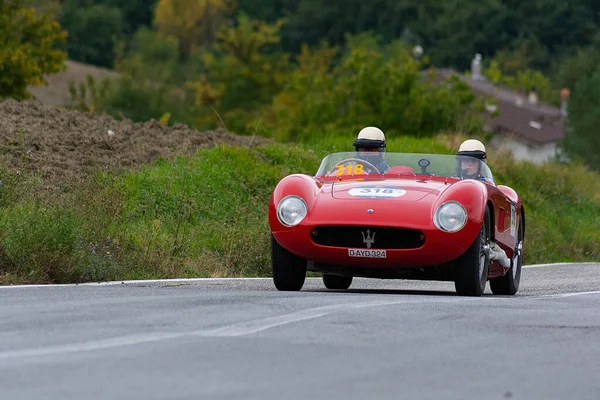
(353,166)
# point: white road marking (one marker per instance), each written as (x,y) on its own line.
(253,326)
(184,280)
(233,330)
(113,283)
(88,346)
(560,295)
(561,264)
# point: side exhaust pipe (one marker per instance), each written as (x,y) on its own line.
(497,254)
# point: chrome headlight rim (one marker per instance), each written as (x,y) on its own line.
(282,203)
(440,209)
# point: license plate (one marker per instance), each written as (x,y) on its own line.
(365,253)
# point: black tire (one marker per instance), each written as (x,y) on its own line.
(471,268)
(289,270)
(337,281)
(509,283)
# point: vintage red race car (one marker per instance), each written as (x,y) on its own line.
(420,218)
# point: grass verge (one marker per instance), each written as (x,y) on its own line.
(206,216)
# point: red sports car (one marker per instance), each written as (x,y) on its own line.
(399,216)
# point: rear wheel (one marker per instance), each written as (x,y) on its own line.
(289,270)
(337,281)
(509,283)
(472,267)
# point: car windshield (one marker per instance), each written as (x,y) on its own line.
(349,164)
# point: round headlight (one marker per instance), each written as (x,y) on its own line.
(450,217)
(291,210)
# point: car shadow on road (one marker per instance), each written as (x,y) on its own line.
(399,292)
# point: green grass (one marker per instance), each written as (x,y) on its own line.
(562,205)
(187,217)
(322,145)
(206,216)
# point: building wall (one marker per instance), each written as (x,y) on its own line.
(523,150)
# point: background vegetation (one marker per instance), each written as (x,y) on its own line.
(308,74)
(250,64)
(206,216)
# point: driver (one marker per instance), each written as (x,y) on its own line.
(470,167)
(370,145)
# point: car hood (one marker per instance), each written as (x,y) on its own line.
(402,190)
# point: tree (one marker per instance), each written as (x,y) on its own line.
(451,31)
(582,139)
(557,25)
(151,56)
(28,50)
(465,28)
(240,74)
(136,13)
(311,21)
(264,10)
(523,80)
(382,86)
(522,54)
(50,6)
(193,22)
(95,32)
(581,64)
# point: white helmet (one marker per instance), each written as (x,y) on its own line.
(473,148)
(370,137)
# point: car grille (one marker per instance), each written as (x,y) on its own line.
(358,236)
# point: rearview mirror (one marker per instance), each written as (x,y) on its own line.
(424,163)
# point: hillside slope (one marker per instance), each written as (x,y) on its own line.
(56,91)
(63,143)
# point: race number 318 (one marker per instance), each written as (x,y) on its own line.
(357,169)
(377,192)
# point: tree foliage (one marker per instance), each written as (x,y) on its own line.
(292,67)
(523,81)
(28,50)
(369,86)
(136,13)
(151,56)
(44,6)
(581,138)
(533,33)
(466,28)
(577,65)
(193,22)
(240,75)
(95,32)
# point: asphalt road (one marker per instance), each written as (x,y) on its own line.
(242,339)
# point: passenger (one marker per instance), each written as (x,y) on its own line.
(471,165)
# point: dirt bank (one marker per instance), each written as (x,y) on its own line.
(65,144)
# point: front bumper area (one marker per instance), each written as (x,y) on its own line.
(413,248)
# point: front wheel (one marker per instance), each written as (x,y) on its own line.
(337,281)
(289,270)
(472,266)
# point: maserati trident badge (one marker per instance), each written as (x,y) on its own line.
(370,211)
(368,240)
